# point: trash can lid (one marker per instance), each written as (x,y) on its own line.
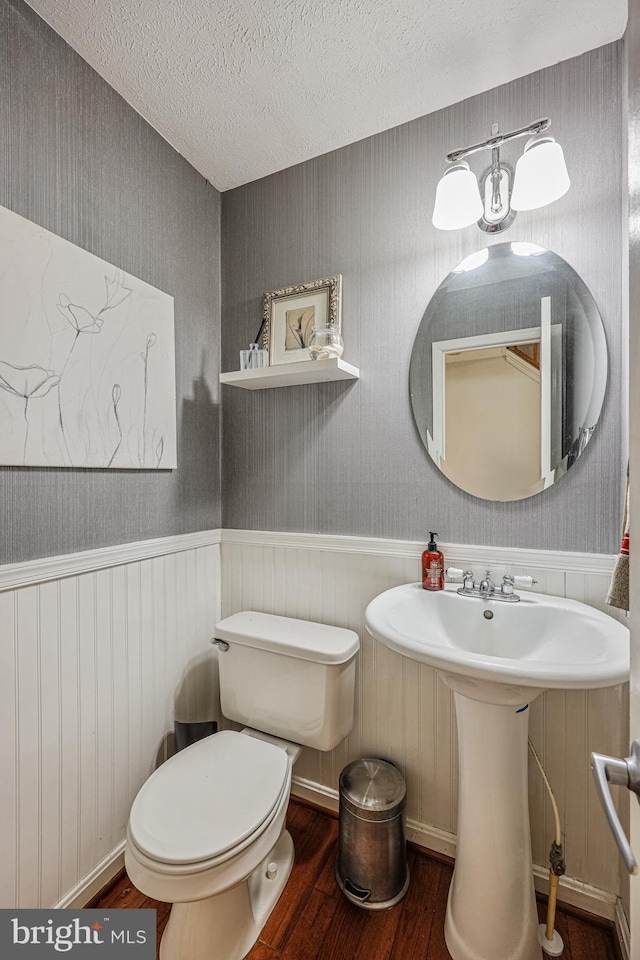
(373,789)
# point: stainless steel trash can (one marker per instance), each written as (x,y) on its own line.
(371,866)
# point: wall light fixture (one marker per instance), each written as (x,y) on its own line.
(540,178)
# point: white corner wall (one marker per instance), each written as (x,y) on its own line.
(99,652)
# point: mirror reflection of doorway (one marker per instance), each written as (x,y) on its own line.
(520,296)
(498,409)
(492,421)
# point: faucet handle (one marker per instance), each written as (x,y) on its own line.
(508,582)
(454,573)
(468,579)
(524,581)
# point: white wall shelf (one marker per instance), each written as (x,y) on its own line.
(291,374)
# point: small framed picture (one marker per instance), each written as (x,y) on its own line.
(291,314)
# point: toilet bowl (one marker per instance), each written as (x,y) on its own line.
(206,831)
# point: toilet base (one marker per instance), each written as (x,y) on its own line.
(226,926)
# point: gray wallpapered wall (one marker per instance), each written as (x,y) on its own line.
(77,160)
(331,458)
(346,459)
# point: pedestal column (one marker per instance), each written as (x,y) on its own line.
(491,913)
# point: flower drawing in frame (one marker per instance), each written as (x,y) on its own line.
(290,315)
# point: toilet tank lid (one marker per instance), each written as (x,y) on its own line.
(303,639)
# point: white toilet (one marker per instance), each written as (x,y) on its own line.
(206,831)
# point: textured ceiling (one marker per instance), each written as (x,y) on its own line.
(243,88)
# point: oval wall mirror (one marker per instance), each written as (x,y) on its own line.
(508,371)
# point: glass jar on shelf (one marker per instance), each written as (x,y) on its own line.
(253,358)
(325,343)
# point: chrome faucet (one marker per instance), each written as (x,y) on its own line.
(486,589)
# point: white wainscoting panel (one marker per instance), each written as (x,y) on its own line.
(101,651)
(405,714)
(96,664)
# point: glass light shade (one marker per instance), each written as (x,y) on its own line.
(541,175)
(458,202)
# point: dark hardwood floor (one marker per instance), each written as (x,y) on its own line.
(314,921)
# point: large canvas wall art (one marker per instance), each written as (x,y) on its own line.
(87,358)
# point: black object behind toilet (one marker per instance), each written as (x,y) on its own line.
(188,733)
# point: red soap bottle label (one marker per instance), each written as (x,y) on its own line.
(432,570)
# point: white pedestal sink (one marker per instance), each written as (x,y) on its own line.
(497,657)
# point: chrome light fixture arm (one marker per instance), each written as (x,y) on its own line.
(497,139)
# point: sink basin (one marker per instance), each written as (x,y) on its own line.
(540,642)
(497,657)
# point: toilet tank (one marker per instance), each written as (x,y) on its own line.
(291,678)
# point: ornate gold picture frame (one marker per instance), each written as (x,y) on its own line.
(291,313)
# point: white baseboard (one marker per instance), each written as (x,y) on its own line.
(315,793)
(577,894)
(622,930)
(94,882)
(570,891)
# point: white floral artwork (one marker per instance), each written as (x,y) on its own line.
(87,358)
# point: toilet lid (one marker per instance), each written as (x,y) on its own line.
(208,798)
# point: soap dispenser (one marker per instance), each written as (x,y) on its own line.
(433,566)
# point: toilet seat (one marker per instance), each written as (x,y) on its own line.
(208,802)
